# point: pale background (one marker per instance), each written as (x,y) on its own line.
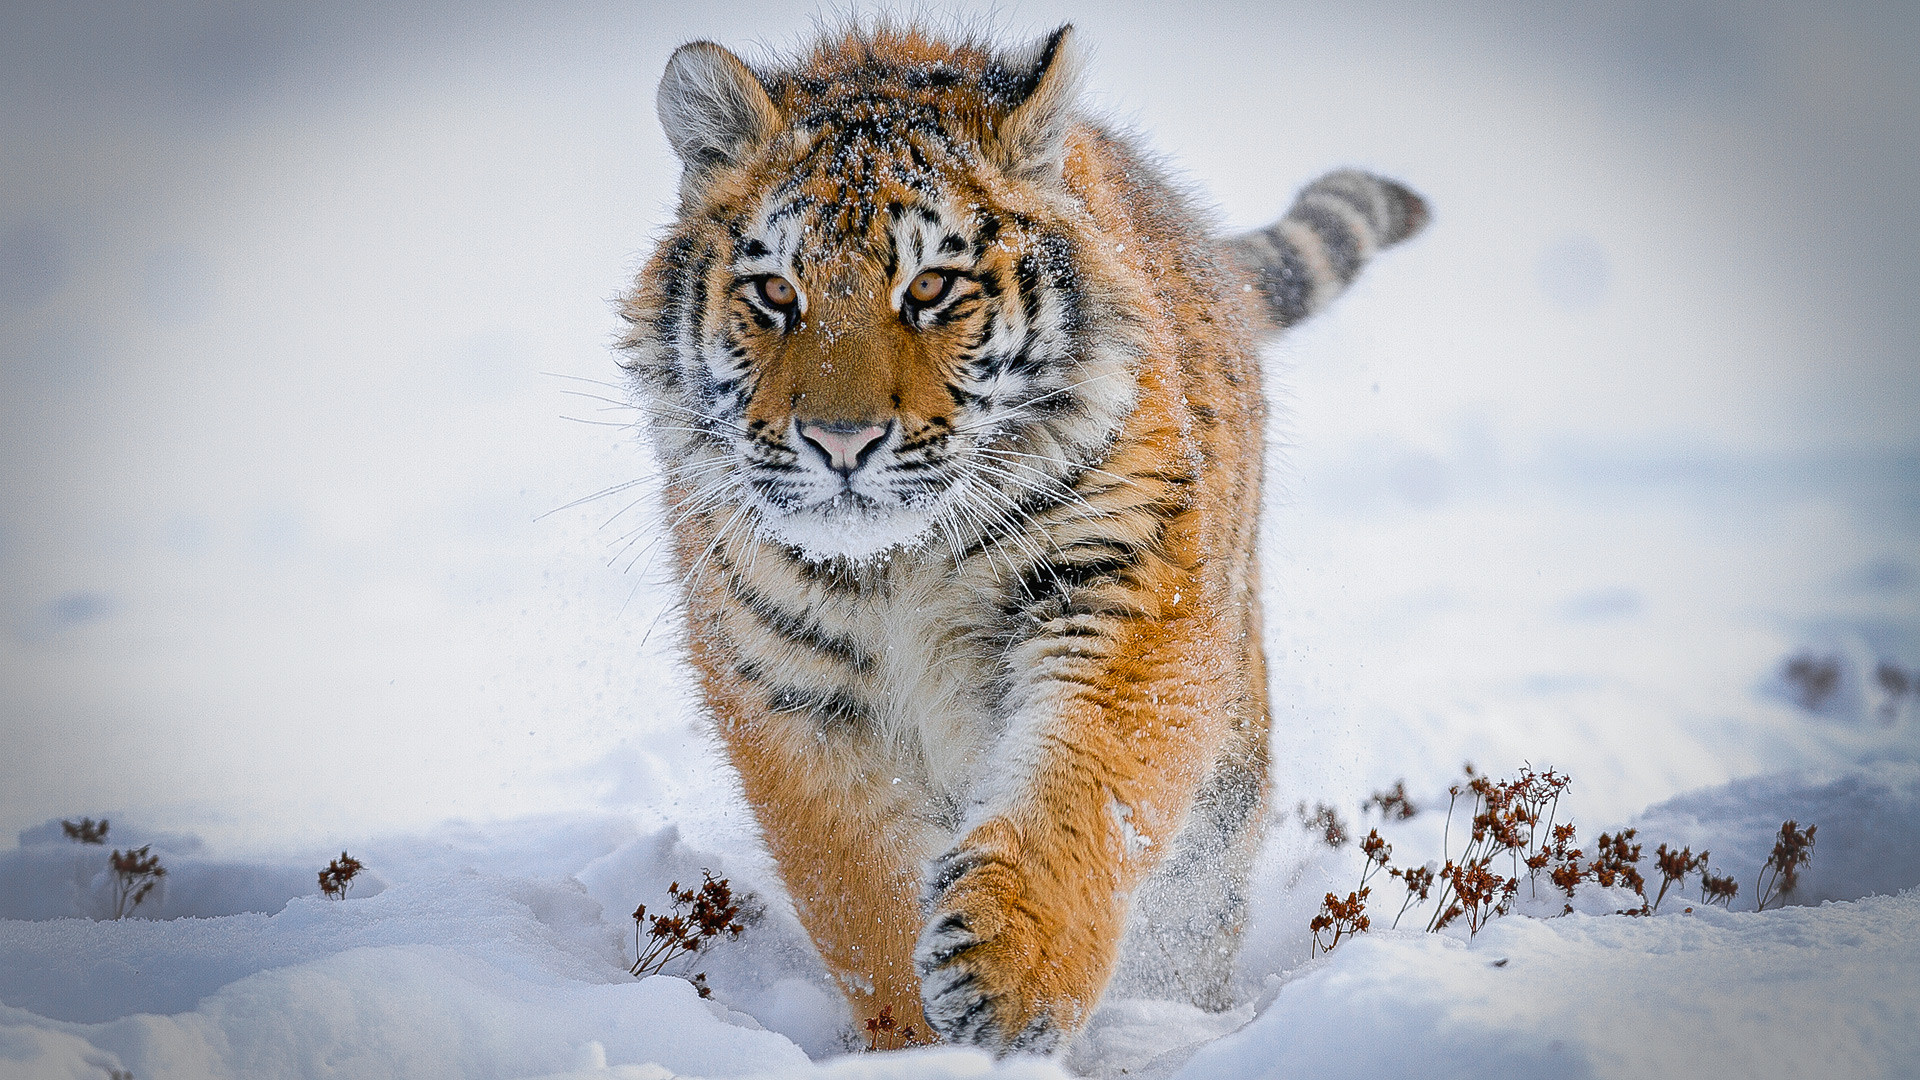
(292,298)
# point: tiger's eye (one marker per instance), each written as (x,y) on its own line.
(777,291)
(929,286)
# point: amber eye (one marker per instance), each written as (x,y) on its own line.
(931,285)
(777,291)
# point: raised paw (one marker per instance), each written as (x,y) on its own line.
(997,968)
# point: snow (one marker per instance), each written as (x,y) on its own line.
(471,973)
(480,975)
(1798,992)
(1569,480)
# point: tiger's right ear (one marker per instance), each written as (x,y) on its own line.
(713,108)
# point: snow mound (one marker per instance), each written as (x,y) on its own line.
(462,976)
(50,877)
(1827,991)
(410,1011)
(1868,819)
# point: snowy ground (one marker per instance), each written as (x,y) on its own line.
(1570,480)
(475,972)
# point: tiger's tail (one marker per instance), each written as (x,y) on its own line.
(1304,260)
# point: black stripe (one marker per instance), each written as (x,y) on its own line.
(1285,282)
(1357,193)
(796,628)
(945,954)
(760,318)
(1025,507)
(989,232)
(920,161)
(837,707)
(845,577)
(959,309)
(983,334)
(1027,269)
(977,1023)
(1063,273)
(1022,362)
(1077,679)
(697,297)
(1336,233)
(921,77)
(795,208)
(673,287)
(1057,579)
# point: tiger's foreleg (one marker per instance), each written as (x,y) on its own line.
(848,840)
(1107,746)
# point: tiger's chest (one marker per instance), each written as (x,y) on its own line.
(898,675)
(937,697)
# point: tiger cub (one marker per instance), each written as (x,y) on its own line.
(959,408)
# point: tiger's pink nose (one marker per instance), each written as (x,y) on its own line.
(845,446)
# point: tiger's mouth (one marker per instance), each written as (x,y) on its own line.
(849,526)
(850,491)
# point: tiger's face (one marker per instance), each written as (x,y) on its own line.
(871,328)
(873,385)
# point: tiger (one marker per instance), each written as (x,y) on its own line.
(957,402)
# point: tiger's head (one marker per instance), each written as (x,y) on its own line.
(876,320)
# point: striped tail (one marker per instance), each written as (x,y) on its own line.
(1304,260)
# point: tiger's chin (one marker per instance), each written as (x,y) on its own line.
(851,530)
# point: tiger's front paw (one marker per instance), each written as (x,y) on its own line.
(989,968)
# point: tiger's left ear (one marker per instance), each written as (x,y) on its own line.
(1031,140)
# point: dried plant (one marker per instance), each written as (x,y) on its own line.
(1479,894)
(1392,803)
(1718,887)
(1419,883)
(1534,799)
(1377,852)
(1674,867)
(135,873)
(1341,918)
(884,1029)
(1514,818)
(1564,858)
(699,917)
(1780,874)
(85,831)
(338,877)
(1517,819)
(1326,821)
(1616,862)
